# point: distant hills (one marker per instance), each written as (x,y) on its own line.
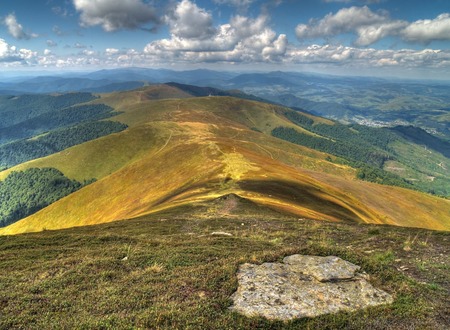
(363,100)
(125,154)
(111,80)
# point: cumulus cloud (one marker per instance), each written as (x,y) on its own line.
(275,48)
(370,34)
(111,51)
(369,26)
(267,47)
(88,52)
(195,38)
(368,57)
(189,21)
(6,51)
(243,39)
(16,29)
(428,30)
(113,15)
(10,54)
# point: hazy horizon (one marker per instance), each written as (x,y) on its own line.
(379,38)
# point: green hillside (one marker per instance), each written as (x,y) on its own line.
(180,150)
(381,155)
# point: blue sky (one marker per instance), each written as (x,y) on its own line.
(357,37)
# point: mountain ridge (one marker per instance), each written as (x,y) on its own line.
(182,151)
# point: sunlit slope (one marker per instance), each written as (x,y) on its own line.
(152,122)
(185,151)
(103,156)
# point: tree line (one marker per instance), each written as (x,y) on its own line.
(26,192)
(57,119)
(24,150)
(16,109)
(364,148)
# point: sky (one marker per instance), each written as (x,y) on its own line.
(399,38)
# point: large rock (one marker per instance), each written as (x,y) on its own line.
(303,286)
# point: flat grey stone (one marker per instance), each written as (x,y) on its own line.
(293,289)
(324,269)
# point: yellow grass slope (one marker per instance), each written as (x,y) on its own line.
(188,151)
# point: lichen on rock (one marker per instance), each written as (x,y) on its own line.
(303,286)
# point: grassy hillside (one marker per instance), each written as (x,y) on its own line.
(403,156)
(187,151)
(167,271)
(103,156)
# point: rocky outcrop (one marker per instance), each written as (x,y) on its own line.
(304,286)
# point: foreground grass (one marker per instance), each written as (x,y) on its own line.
(165,272)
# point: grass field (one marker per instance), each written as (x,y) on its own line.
(166,271)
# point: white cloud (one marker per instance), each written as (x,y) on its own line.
(111,51)
(368,25)
(6,51)
(368,57)
(195,39)
(51,43)
(88,52)
(9,53)
(113,15)
(267,47)
(370,34)
(276,48)
(243,39)
(190,22)
(428,30)
(16,29)
(27,54)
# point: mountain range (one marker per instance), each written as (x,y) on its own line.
(162,147)
(369,101)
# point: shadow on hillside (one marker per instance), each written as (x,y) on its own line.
(306,196)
